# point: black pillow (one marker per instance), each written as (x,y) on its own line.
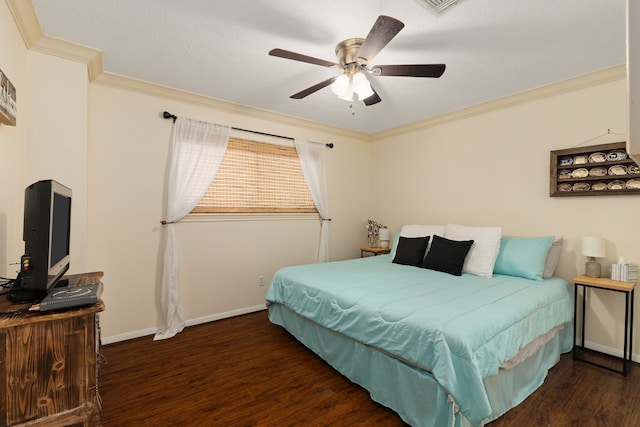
(447,255)
(411,250)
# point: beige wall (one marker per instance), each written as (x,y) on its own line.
(48,141)
(492,168)
(13,62)
(56,104)
(221,260)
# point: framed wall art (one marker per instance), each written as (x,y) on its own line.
(8,106)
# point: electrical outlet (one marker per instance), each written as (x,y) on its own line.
(261,280)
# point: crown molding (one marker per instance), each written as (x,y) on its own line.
(71,51)
(581,82)
(26,20)
(29,27)
(153,89)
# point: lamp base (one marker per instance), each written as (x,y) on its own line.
(592,268)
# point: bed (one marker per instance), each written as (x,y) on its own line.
(440,349)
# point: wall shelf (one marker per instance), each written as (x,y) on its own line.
(596,170)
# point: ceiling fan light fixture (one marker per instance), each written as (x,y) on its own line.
(345,86)
(361,86)
(340,86)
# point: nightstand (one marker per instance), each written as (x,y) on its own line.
(627,288)
(374,251)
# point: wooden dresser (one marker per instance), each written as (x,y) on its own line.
(48,365)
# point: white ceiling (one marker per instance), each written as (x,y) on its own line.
(219,48)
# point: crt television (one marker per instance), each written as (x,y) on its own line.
(46,235)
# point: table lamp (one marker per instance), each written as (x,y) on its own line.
(384,236)
(593,247)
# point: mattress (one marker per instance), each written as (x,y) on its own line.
(459,329)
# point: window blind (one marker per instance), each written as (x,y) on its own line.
(257,177)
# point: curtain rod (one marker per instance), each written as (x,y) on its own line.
(168,115)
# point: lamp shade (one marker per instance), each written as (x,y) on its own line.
(593,247)
(361,86)
(383,235)
(340,85)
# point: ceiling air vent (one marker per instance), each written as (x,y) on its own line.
(440,5)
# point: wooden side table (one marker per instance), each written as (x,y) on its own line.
(374,251)
(628,288)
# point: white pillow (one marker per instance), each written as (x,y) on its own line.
(484,251)
(418,231)
(553,257)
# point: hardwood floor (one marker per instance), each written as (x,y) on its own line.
(245,371)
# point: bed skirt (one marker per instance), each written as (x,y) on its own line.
(411,392)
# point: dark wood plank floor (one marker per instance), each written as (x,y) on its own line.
(244,371)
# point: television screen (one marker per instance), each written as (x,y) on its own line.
(60,231)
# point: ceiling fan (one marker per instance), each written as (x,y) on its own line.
(354,56)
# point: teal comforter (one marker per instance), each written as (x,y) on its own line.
(461,329)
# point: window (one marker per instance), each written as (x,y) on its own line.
(258,177)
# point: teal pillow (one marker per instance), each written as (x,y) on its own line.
(523,256)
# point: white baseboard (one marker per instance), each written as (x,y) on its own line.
(617,352)
(191,322)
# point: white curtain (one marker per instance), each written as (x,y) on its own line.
(311,156)
(197,151)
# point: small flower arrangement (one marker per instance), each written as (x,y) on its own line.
(373,229)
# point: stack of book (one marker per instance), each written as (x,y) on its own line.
(624,272)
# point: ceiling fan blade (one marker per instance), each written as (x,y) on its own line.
(308,91)
(300,57)
(380,34)
(373,99)
(417,70)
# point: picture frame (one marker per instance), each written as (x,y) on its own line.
(8,105)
